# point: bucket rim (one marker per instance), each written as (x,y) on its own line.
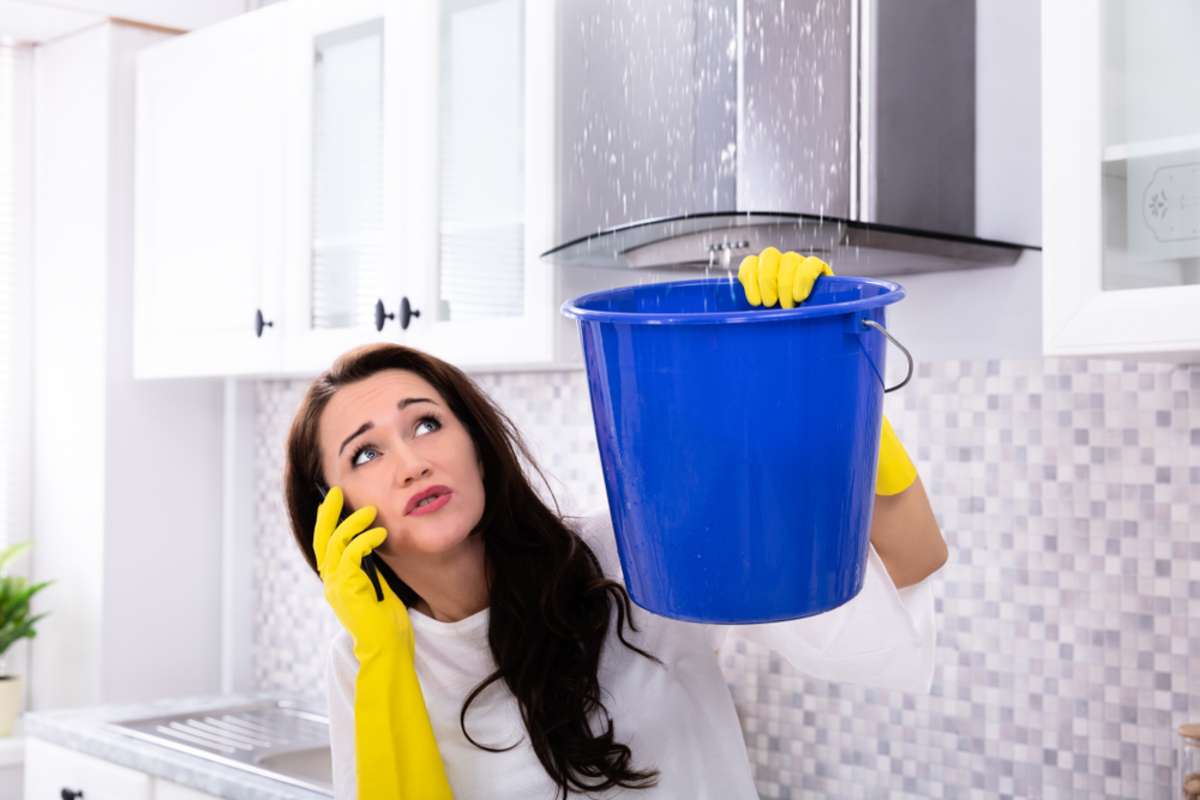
(575,308)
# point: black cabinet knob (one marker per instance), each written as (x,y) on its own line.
(260,323)
(380,315)
(71,794)
(407,312)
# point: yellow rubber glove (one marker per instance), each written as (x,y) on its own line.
(396,755)
(786,277)
(789,278)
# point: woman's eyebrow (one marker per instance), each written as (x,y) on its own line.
(366,426)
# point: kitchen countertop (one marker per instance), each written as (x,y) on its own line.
(82,729)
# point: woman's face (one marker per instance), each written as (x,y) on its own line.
(390,437)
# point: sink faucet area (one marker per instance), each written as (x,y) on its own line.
(278,739)
(260,745)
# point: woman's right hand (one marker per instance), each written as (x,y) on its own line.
(396,754)
(376,626)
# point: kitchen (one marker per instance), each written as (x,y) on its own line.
(217,196)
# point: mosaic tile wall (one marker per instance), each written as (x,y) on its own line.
(1069,642)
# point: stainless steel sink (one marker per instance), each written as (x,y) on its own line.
(273,738)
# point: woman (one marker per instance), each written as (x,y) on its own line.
(485,662)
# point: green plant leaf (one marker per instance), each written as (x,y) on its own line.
(15,620)
(16,594)
(11,552)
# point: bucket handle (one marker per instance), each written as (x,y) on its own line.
(907,354)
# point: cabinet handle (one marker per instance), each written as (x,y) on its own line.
(260,323)
(71,794)
(407,312)
(380,315)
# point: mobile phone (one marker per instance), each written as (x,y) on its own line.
(369,564)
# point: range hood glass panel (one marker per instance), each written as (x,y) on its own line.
(721,239)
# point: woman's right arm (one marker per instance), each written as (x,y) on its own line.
(396,755)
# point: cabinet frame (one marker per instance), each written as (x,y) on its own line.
(307,350)
(1079,318)
(502,342)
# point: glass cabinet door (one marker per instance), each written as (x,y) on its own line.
(341,275)
(346,232)
(1150,132)
(481,180)
(480,204)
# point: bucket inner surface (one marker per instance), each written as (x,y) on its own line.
(694,300)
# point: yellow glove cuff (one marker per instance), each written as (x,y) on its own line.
(396,754)
(896,471)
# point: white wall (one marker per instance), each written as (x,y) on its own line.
(70,240)
(969,314)
(16,499)
(14,509)
(163,471)
(126,475)
(1008,123)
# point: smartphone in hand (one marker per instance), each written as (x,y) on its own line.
(369,564)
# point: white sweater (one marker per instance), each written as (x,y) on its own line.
(680,720)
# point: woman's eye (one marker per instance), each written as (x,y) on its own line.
(425,424)
(431,422)
(359,452)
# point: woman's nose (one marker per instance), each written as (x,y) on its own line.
(415,475)
(411,467)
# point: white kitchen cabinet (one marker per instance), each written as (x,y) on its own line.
(52,771)
(166,790)
(208,223)
(356,171)
(1121,179)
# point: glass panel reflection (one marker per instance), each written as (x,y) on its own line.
(482,179)
(347,198)
(1150,176)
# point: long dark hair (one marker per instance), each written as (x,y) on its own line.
(550,603)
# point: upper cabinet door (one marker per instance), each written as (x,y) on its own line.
(208,213)
(1121,178)
(479,180)
(343,188)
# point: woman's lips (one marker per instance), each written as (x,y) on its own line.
(433,506)
(443,497)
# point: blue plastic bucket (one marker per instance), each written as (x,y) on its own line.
(738,444)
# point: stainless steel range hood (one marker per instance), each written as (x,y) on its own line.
(710,129)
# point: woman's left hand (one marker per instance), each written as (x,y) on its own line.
(786,277)
(789,278)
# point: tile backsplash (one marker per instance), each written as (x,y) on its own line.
(1069,613)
